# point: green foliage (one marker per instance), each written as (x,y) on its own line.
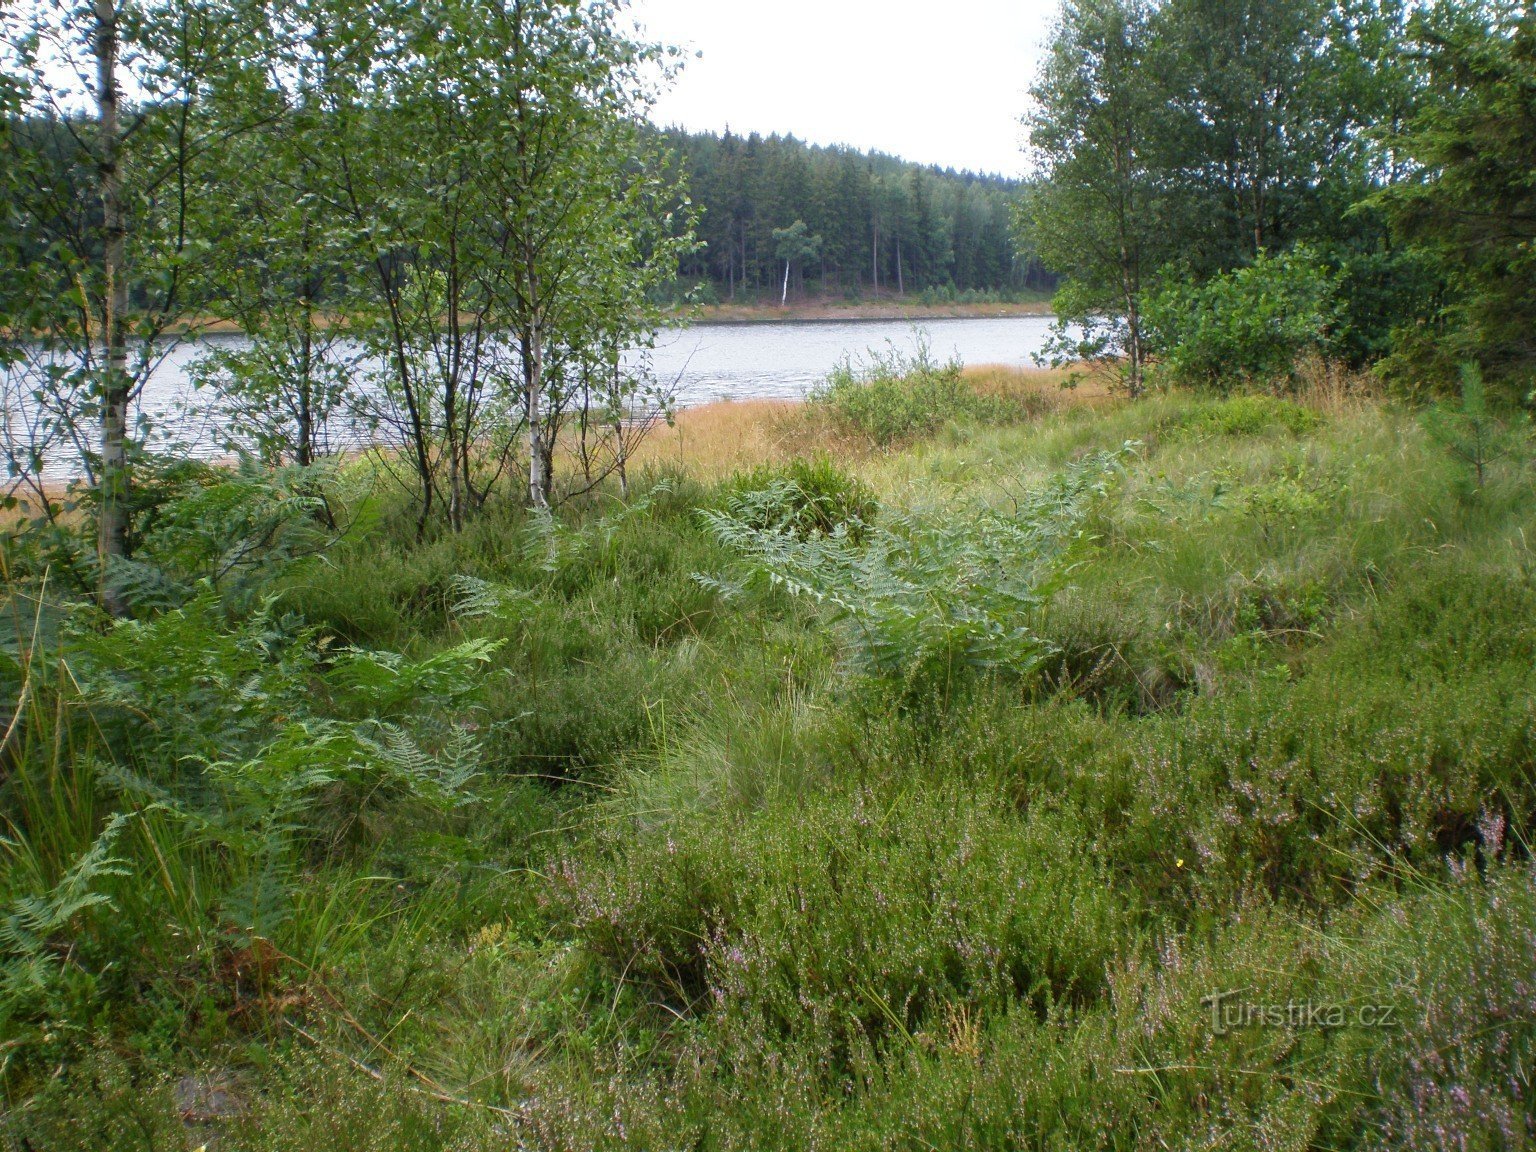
(1248,415)
(1096,217)
(892,397)
(1184,140)
(32,923)
(796,244)
(1247,327)
(1471,432)
(231,531)
(1468,205)
(240,751)
(805,498)
(922,597)
(951,230)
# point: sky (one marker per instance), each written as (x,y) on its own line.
(939,83)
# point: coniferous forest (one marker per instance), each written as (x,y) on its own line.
(872,224)
(429,735)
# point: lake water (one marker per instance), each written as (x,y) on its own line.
(782,361)
(706,362)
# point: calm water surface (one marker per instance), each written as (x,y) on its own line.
(782,361)
(706,362)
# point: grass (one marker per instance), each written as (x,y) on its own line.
(701,882)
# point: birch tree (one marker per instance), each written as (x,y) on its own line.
(795,246)
(126,102)
(1096,215)
(513,218)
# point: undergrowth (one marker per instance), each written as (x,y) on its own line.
(926,803)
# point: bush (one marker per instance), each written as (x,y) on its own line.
(1247,416)
(1247,327)
(894,397)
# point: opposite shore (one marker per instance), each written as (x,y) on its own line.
(844,310)
(805,311)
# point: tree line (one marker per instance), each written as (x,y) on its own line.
(1226,184)
(868,224)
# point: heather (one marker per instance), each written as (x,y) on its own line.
(1087,774)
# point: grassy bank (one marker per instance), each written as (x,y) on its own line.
(908,769)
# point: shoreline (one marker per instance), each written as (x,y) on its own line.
(707,315)
(873,311)
(745,420)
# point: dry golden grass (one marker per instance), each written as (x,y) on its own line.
(714,440)
(1332,389)
(1041,384)
(28,504)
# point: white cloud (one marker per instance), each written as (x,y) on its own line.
(936,83)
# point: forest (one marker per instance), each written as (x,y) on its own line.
(871,224)
(483,751)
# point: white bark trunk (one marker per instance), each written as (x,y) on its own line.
(112,537)
(533,382)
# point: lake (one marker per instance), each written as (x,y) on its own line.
(707,362)
(782,361)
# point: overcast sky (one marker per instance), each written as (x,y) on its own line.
(940,83)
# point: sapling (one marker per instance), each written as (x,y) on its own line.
(1471,432)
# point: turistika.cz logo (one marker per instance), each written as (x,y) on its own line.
(1228,1013)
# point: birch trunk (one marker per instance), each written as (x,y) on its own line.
(533,391)
(116,386)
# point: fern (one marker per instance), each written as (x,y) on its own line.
(234,530)
(30,923)
(383,683)
(541,541)
(477,599)
(927,592)
(441,778)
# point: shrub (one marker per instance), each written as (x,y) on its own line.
(893,397)
(1253,415)
(1246,327)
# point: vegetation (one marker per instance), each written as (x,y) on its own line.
(953,760)
(294,169)
(1354,166)
(587,830)
(887,227)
